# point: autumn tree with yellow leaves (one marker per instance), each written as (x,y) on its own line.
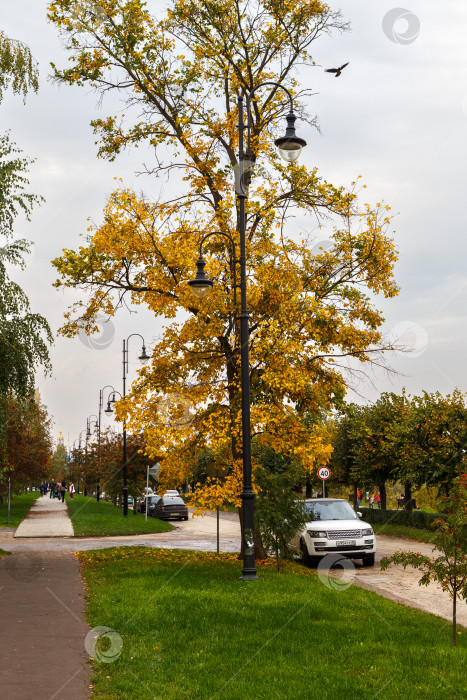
(311,315)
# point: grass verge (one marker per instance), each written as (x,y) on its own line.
(192,631)
(19,507)
(3,553)
(405,532)
(93,519)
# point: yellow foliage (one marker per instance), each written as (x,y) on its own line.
(310,310)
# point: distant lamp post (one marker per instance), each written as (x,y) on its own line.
(88,435)
(143,358)
(290,147)
(110,401)
(89,424)
(109,410)
(79,459)
(99,423)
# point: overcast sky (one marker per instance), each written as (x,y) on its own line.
(397,116)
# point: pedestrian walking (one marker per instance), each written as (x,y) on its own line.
(52,489)
(57,489)
(71,489)
(378,500)
(371,500)
(359,497)
(62,491)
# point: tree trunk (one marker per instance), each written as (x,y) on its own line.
(383,495)
(308,489)
(355,496)
(408,504)
(454,619)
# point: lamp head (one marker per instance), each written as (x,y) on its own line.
(290,146)
(109,410)
(144,357)
(201,285)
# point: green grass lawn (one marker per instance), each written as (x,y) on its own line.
(408,533)
(3,553)
(192,631)
(19,506)
(91,518)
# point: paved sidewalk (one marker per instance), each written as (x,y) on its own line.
(42,653)
(48,517)
(197,533)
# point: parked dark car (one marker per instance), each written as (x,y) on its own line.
(171,507)
(152,500)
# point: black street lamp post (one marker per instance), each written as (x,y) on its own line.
(108,412)
(79,460)
(88,433)
(143,358)
(290,146)
(72,462)
(99,465)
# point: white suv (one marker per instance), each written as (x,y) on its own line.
(334,528)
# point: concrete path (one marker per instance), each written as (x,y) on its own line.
(48,517)
(42,651)
(197,533)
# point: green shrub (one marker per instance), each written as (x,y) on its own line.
(279,514)
(420,519)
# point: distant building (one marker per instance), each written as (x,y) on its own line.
(60,440)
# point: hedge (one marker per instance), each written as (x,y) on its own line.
(411,518)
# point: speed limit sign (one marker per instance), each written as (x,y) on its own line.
(324,473)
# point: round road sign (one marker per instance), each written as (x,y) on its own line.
(324,473)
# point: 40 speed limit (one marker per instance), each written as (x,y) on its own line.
(324,473)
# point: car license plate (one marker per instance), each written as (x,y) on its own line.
(346,543)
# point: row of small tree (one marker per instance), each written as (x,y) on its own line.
(412,439)
(103,460)
(25,444)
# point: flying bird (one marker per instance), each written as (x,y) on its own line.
(337,71)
